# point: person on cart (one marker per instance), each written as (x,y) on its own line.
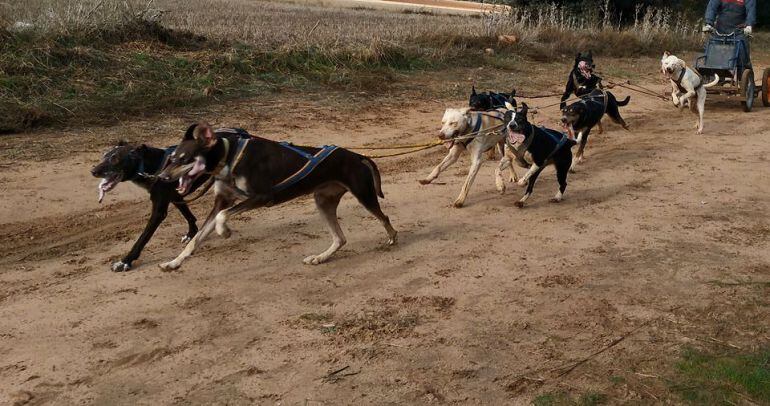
(730,16)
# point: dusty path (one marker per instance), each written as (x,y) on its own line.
(660,232)
(440,6)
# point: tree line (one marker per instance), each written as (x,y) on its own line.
(624,11)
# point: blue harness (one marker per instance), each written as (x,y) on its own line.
(560,141)
(477,126)
(312,162)
(140,173)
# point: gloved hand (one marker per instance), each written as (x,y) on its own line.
(747,31)
(707,28)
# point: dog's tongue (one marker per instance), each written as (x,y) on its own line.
(102,187)
(197,168)
(584,70)
(515,138)
(570,131)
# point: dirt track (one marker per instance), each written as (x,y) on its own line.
(658,236)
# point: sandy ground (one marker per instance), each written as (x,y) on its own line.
(662,242)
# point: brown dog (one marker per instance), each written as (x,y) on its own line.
(260,173)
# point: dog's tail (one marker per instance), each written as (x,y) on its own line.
(714,83)
(624,101)
(375,175)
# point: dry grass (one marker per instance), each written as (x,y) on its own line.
(62,60)
(283,26)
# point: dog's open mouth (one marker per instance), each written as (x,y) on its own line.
(108,184)
(514,137)
(585,70)
(193,171)
(569,129)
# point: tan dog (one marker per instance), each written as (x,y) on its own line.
(687,86)
(457,129)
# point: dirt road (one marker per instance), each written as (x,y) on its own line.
(436,6)
(659,244)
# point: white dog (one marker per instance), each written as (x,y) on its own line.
(476,131)
(687,86)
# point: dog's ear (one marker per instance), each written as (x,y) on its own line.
(203,133)
(122,143)
(524,109)
(666,54)
(188,135)
(473,90)
(513,93)
(590,54)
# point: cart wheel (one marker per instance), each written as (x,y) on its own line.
(747,88)
(766,88)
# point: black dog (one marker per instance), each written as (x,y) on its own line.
(490,100)
(124,162)
(545,145)
(582,79)
(580,117)
(260,173)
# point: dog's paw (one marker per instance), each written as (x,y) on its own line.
(519,204)
(169,266)
(425,181)
(120,266)
(393,239)
(555,200)
(500,185)
(186,239)
(522,182)
(224,231)
(314,260)
(458,204)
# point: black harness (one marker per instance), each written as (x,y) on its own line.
(559,138)
(678,81)
(584,87)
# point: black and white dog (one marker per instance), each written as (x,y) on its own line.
(581,116)
(582,79)
(490,100)
(260,172)
(545,145)
(138,164)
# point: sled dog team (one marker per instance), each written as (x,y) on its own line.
(247,172)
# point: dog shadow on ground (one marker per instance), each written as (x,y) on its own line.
(308,238)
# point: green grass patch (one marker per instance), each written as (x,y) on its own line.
(709,378)
(565,399)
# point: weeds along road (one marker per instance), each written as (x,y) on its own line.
(660,244)
(450,6)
